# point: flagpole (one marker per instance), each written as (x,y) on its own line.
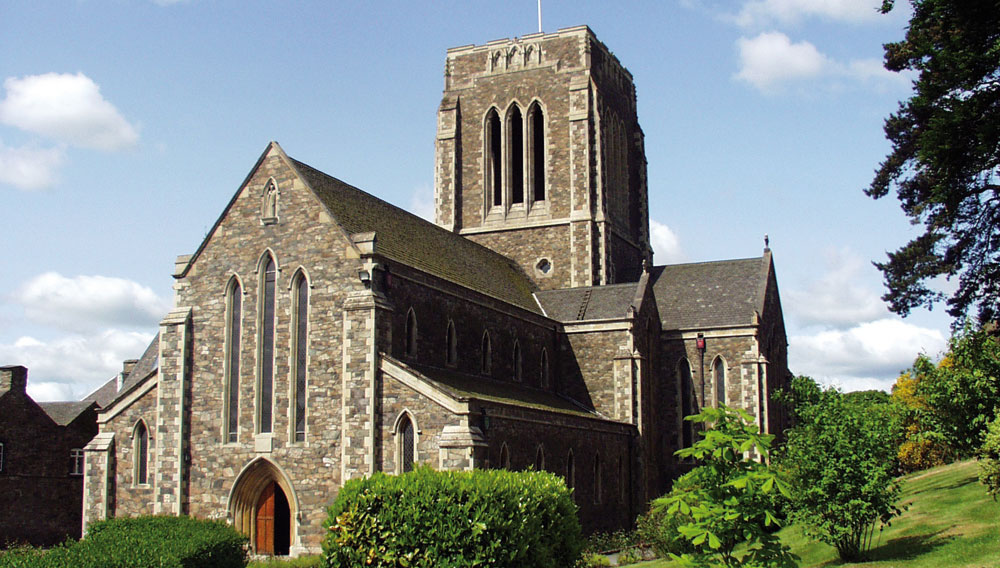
(539,16)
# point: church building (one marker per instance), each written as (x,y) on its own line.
(320,334)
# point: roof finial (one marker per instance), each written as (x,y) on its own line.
(767,243)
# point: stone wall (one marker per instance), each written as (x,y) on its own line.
(40,499)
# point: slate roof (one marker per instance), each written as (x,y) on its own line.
(104,394)
(709,294)
(462,386)
(415,242)
(588,303)
(63,413)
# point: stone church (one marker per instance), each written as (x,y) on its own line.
(321,334)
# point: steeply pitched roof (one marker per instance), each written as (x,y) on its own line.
(104,393)
(710,294)
(588,303)
(410,240)
(149,362)
(63,413)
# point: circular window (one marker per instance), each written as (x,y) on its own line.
(544,266)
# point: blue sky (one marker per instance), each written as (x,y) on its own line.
(127,125)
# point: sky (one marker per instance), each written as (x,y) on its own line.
(127,125)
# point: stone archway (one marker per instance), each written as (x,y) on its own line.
(263,506)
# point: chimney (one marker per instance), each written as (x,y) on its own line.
(13,378)
(128,365)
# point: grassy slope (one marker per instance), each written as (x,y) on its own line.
(951,522)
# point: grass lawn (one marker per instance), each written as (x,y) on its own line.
(951,522)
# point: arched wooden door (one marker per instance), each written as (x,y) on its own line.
(271,522)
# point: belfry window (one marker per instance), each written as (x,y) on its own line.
(515,132)
(300,354)
(536,136)
(140,440)
(514,157)
(494,163)
(234,307)
(267,347)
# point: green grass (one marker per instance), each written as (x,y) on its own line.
(951,522)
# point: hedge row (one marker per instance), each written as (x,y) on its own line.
(436,519)
(160,542)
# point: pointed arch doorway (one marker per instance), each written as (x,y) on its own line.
(263,507)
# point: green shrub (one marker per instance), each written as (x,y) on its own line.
(592,560)
(659,530)
(160,542)
(611,542)
(989,459)
(435,519)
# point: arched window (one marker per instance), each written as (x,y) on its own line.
(598,485)
(486,354)
(300,352)
(407,448)
(536,155)
(451,354)
(544,381)
(515,149)
(140,441)
(504,457)
(539,459)
(621,480)
(494,176)
(687,402)
(411,333)
(234,320)
(517,362)
(719,372)
(266,390)
(570,470)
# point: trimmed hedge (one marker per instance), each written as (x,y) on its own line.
(426,518)
(160,542)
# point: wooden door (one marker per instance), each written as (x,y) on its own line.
(265,521)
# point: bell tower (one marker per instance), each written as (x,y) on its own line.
(539,156)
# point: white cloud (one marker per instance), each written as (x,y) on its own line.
(869,355)
(422,202)
(771,59)
(28,167)
(839,297)
(88,302)
(67,108)
(763,12)
(666,245)
(71,367)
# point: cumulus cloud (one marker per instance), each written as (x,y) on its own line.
(869,355)
(839,298)
(771,59)
(764,12)
(66,108)
(666,245)
(89,302)
(71,367)
(29,168)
